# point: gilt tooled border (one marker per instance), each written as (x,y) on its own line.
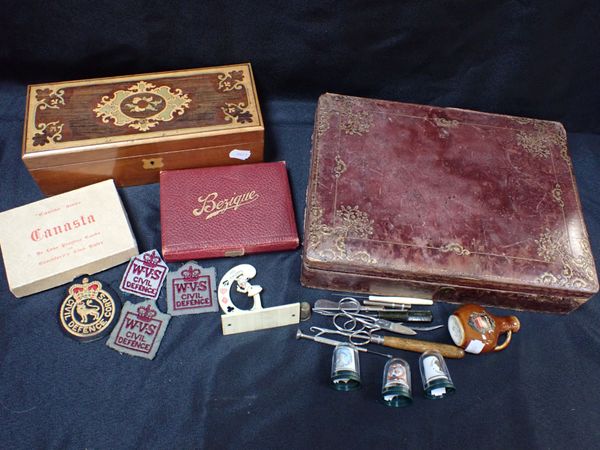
(557,195)
(353,223)
(577,271)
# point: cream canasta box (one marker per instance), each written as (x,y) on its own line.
(50,242)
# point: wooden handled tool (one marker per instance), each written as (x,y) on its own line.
(415,345)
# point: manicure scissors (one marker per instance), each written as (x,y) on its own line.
(349,309)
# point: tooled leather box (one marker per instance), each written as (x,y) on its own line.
(129,128)
(226,211)
(444,203)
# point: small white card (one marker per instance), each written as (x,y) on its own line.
(475,346)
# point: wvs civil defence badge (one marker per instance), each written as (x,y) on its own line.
(88,312)
(145,275)
(140,330)
(191,290)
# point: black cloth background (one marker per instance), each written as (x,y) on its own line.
(264,389)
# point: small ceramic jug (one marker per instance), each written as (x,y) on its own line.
(477,331)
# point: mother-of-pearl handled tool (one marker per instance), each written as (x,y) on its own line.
(401,300)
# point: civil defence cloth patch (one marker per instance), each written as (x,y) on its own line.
(145,275)
(140,330)
(192,290)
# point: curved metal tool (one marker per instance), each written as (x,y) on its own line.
(333,342)
(431,328)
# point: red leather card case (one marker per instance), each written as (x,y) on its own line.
(226,211)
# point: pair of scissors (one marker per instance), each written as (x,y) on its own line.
(354,321)
(349,308)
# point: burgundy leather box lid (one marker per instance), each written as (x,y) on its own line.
(447,197)
(226,211)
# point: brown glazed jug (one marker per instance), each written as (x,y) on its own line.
(477,331)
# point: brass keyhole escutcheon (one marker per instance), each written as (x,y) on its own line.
(445,293)
(154,163)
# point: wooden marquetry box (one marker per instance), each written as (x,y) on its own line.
(130,128)
(444,203)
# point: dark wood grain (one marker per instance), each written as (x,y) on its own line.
(184,119)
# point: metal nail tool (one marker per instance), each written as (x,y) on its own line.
(348,309)
(403,300)
(381,304)
(333,305)
(364,336)
(402,315)
(348,318)
(333,342)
